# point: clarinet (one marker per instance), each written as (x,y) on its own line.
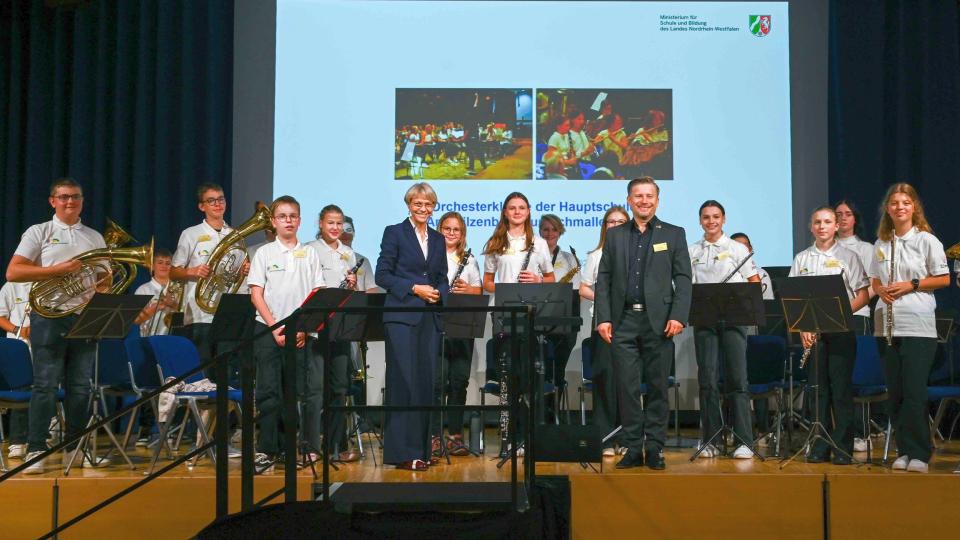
(460,267)
(888,312)
(526,261)
(360,261)
(503,365)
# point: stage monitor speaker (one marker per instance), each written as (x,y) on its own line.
(569,443)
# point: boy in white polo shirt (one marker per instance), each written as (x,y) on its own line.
(14,320)
(282,275)
(47,250)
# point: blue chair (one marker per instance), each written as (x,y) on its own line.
(541,150)
(116,379)
(869,383)
(174,356)
(765,359)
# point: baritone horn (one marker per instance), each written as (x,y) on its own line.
(60,296)
(227,260)
(953,252)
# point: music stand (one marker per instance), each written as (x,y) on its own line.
(371,329)
(722,305)
(817,304)
(459,325)
(106,316)
(232,322)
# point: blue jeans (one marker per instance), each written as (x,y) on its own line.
(57,362)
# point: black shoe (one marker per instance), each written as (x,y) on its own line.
(841,459)
(630,460)
(655,460)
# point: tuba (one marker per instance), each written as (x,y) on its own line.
(60,296)
(227,260)
(115,236)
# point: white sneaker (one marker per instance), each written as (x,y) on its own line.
(709,451)
(622,450)
(17,451)
(609,452)
(859,445)
(901,463)
(916,465)
(742,452)
(36,468)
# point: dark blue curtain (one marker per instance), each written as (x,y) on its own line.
(130,98)
(894,103)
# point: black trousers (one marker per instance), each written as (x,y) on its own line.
(907,364)
(412,356)
(732,340)
(457,358)
(605,411)
(641,354)
(835,380)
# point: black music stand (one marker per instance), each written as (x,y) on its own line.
(461,325)
(106,316)
(233,323)
(552,303)
(722,305)
(817,304)
(370,330)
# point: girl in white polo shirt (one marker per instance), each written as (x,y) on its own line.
(908,341)
(835,370)
(282,275)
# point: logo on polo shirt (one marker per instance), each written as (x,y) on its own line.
(275,268)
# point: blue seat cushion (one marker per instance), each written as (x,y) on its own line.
(763,388)
(869,390)
(232,395)
(935,393)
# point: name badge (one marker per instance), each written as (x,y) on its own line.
(723,255)
(662,246)
(509,251)
(275,268)
(881,256)
(204,238)
(344,257)
(300,253)
(833,263)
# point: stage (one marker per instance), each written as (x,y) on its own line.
(707,498)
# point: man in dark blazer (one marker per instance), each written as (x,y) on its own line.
(643,296)
(413,269)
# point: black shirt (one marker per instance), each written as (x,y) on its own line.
(639,247)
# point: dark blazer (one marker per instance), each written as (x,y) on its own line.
(401,266)
(667,284)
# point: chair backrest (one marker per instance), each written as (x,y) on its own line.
(141,363)
(586,359)
(765,358)
(16,370)
(867,369)
(175,355)
(113,360)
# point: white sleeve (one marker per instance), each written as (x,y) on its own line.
(936,258)
(476,280)
(258,269)
(182,255)
(874,271)
(749,268)
(795,267)
(490,263)
(30,244)
(317,267)
(6,303)
(589,274)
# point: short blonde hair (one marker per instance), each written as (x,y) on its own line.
(421,190)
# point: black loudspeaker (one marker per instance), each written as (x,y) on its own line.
(569,443)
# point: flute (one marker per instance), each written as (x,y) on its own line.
(888,312)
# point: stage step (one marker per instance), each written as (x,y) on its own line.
(420,496)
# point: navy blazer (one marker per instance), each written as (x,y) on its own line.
(401,266)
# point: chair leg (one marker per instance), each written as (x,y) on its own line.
(779,428)
(164,429)
(583,407)
(886,444)
(201,428)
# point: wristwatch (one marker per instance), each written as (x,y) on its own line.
(916,283)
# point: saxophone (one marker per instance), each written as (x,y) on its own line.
(572,273)
(888,311)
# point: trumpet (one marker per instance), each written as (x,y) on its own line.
(227,260)
(356,267)
(60,296)
(568,277)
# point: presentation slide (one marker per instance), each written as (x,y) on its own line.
(562,101)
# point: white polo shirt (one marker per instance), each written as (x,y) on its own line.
(471,272)
(766,284)
(712,262)
(863,249)
(917,254)
(287,276)
(813,262)
(152,288)
(590,271)
(566,262)
(14,299)
(506,266)
(335,261)
(53,242)
(194,248)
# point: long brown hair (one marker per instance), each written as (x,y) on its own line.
(885,230)
(615,209)
(462,243)
(498,243)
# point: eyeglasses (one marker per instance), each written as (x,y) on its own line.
(422,205)
(451,230)
(66,198)
(615,221)
(212,201)
(286,217)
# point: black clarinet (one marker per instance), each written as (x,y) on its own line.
(504,364)
(460,267)
(360,261)
(526,261)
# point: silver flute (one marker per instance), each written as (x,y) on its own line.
(888,312)
(26,317)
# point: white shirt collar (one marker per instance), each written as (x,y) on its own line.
(64,226)
(721,242)
(909,234)
(828,253)
(284,249)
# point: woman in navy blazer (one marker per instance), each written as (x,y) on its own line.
(413,269)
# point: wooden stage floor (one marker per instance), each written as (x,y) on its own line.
(709,498)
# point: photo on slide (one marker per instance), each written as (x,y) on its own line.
(604,134)
(463,133)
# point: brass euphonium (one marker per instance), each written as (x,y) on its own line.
(115,236)
(227,260)
(953,252)
(60,296)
